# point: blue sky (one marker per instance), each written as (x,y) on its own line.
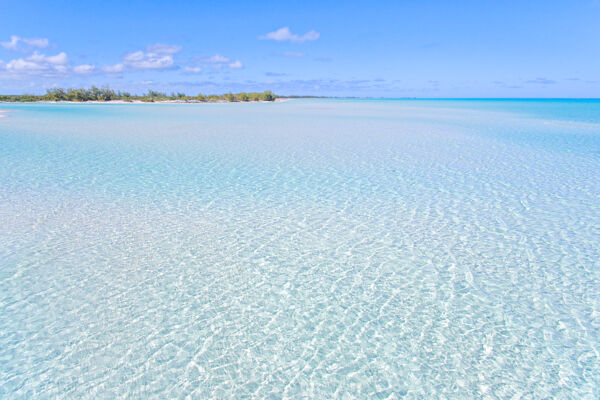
(337,48)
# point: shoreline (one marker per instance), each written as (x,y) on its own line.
(278,100)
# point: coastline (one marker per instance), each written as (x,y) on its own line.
(277,100)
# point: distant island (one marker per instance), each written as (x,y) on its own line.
(94,94)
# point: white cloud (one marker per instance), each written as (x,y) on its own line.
(42,65)
(41,43)
(215,62)
(84,69)
(21,64)
(158,56)
(59,59)
(192,70)
(38,64)
(114,69)
(284,34)
(236,65)
(142,60)
(155,57)
(14,42)
(216,59)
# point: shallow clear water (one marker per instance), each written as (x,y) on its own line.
(307,249)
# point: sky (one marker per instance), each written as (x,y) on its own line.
(325,48)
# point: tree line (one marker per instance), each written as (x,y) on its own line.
(106,94)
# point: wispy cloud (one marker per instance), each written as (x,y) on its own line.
(505,85)
(284,34)
(17,42)
(214,62)
(541,81)
(275,74)
(293,54)
(322,59)
(12,44)
(192,70)
(236,65)
(216,59)
(161,48)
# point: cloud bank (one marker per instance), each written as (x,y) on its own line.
(155,57)
(38,64)
(35,63)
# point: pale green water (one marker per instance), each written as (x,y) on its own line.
(308,249)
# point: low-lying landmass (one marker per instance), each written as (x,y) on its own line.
(94,94)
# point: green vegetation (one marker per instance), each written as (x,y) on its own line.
(107,94)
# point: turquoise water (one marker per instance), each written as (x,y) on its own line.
(307,249)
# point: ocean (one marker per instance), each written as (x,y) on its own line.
(305,249)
